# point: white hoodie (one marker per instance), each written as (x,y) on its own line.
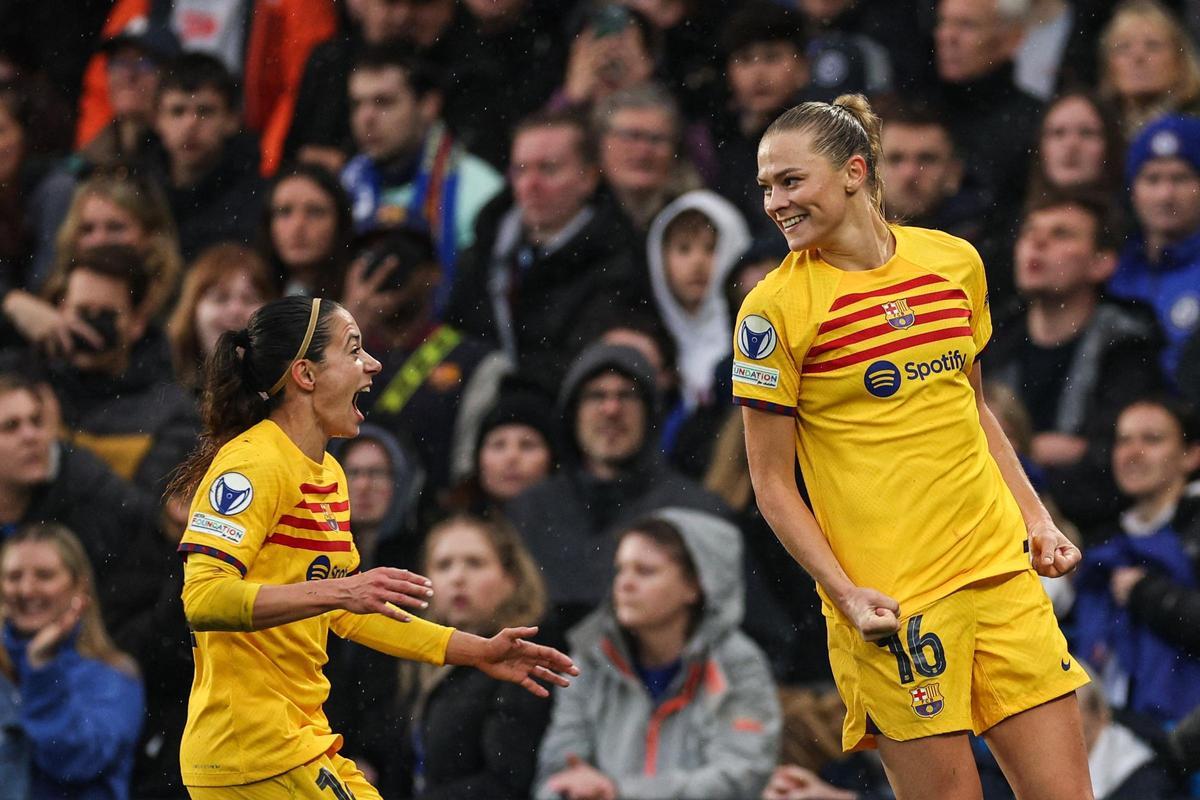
(704,338)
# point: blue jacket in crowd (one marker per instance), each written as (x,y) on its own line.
(81,718)
(1172,286)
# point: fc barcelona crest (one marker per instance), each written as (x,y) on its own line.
(330,519)
(927,700)
(898,314)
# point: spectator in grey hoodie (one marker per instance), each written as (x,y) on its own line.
(672,699)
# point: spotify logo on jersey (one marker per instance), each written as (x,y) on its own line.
(882,379)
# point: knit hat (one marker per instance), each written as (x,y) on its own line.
(1172,136)
(520,407)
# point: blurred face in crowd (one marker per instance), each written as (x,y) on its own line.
(919,169)
(802,191)
(551,180)
(495,10)
(1142,58)
(470,584)
(101,221)
(1072,143)
(388,120)
(194,129)
(971,39)
(638,149)
(1056,253)
(511,459)
(372,480)
(1151,460)
(650,349)
(88,293)
(651,591)
(663,14)
(132,84)
(36,586)
(24,440)
(12,145)
(689,260)
(747,276)
(610,424)
(420,22)
(765,76)
(1166,199)
(225,306)
(303,223)
(823,9)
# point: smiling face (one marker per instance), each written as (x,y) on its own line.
(470,583)
(803,193)
(35,585)
(346,370)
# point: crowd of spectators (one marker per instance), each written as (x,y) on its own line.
(544,216)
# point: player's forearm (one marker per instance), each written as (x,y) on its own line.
(280,605)
(797,530)
(1032,509)
(465,649)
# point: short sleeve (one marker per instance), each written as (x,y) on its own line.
(977,294)
(234,510)
(764,373)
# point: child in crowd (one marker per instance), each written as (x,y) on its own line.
(692,245)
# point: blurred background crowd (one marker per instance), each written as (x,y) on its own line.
(544,216)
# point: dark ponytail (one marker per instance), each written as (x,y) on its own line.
(240,373)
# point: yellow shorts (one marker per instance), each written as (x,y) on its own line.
(965,662)
(329,777)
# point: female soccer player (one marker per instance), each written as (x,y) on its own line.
(858,357)
(271,566)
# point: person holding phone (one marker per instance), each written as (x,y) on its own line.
(120,399)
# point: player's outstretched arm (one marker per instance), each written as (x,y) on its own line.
(771,453)
(1051,552)
(508,656)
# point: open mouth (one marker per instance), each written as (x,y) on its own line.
(354,402)
(792,222)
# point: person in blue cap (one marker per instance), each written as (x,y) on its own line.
(1161,262)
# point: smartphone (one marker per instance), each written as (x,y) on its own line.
(609,20)
(103,322)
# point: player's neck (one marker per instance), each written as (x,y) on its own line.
(303,430)
(862,242)
(1055,320)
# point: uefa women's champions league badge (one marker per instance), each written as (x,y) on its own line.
(756,337)
(230,493)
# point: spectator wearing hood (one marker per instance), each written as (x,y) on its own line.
(692,246)
(672,700)
(611,473)
(1161,264)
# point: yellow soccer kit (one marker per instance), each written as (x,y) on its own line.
(875,366)
(267,514)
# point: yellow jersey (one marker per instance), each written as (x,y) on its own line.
(268,514)
(874,365)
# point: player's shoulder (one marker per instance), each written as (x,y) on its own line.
(773,289)
(938,251)
(254,451)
